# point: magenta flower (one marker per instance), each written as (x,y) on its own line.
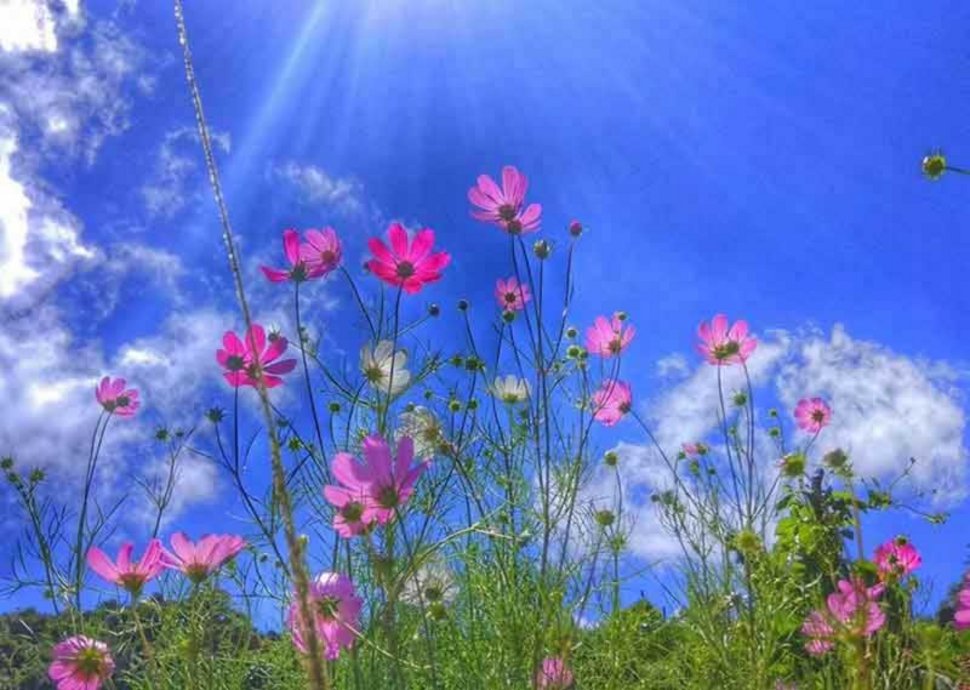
(554,674)
(409,265)
(608,338)
(612,401)
(961,617)
(322,251)
(336,612)
(723,345)
(812,414)
(115,398)
(131,575)
(512,295)
(897,558)
(80,663)
(245,363)
(820,632)
(299,270)
(351,500)
(200,559)
(851,610)
(504,206)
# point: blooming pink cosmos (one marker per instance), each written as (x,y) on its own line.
(115,398)
(721,344)
(554,674)
(961,617)
(200,559)
(335,610)
(512,295)
(609,337)
(245,363)
(409,265)
(504,206)
(299,270)
(131,575)
(80,663)
(812,414)
(851,609)
(322,251)
(612,401)
(897,558)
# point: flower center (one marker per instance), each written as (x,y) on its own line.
(298,273)
(514,227)
(405,269)
(235,363)
(89,663)
(510,298)
(726,350)
(374,374)
(432,593)
(387,497)
(818,416)
(624,407)
(506,212)
(352,512)
(196,572)
(616,345)
(327,607)
(132,582)
(328,257)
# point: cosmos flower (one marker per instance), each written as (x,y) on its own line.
(554,674)
(961,617)
(200,559)
(115,398)
(408,264)
(505,206)
(608,338)
(432,584)
(322,251)
(423,428)
(511,295)
(80,663)
(335,610)
(299,270)
(897,558)
(380,363)
(510,389)
(812,415)
(722,345)
(852,610)
(694,449)
(131,575)
(612,401)
(245,363)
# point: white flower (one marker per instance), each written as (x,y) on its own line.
(423,428)
(377,364)
(510,389)
(432,584)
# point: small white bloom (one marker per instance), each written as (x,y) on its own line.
(377,363)
(423,428)
(433,583)
(510,389)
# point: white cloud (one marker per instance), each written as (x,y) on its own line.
(317,186)
(27,25)
(175,182)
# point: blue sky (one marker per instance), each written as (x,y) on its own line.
(749,158)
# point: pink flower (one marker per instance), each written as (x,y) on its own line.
(115,399)
(897,558)
(820,632)
(322,251)
(812,414)
(299,270)
(408,265)
(131,575)
(851,609)
(504,206)
(336,613)
(80,663)
(694,449)
(722,345)
(200,559)
(612,401)
(245,363)
(554,674)
(511,295)
(608,338)
(961,617)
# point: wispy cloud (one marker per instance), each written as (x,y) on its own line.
(315,185)
(174,184)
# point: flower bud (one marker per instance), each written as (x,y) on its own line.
(542,249)
(462,305)
(575,228)
(611,458)
(433,310)
(604,518)
(934,165)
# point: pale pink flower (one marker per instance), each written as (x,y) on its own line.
(820,632)
(115,398)
(512,295)
(852,609)
(80,663)
(505,206)
(612,402)
(322,251)
(300,270)
(245,363)
(408,264)
(198,560)
(554,674)
(721,344)
(897,558)
(131,575)
(961,617)
(812,414)
(694,449)
(336,612)
(609,338)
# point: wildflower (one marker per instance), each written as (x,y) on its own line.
(424,428)
(897,558)
(961,617)
(721,344)
(612,402)
(694,449)
(432,584)
(80,663)
(554,674)
(510,389)
(608,338)
(934,165)
(247,363)
(512,295)
(575,228)
(322,251)
(604,518)
(298,271)
(200,559)
(505,206)
(130,575)
(381,364)
(115,398)
(812,414)
(852,609)
(408,264)
(335,610)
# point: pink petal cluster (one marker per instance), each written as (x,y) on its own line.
(609,337)
(722,344)
(373,491)
(812,414)
(694,449)
(115,398)
(554,674)
(512,295)
(852,609)
(961,617)
(505,206)
(336,612)
(408,264)
(612,401)
(80,663)
(245,363)
(124,572)
(198,560)
(316,258)
(897,558)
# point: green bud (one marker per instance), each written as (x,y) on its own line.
(571,332)
(542,249)
(334,407)
(934,165)
(611,458)
(604,518)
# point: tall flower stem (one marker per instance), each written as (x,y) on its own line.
(97,438)
(309,385)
